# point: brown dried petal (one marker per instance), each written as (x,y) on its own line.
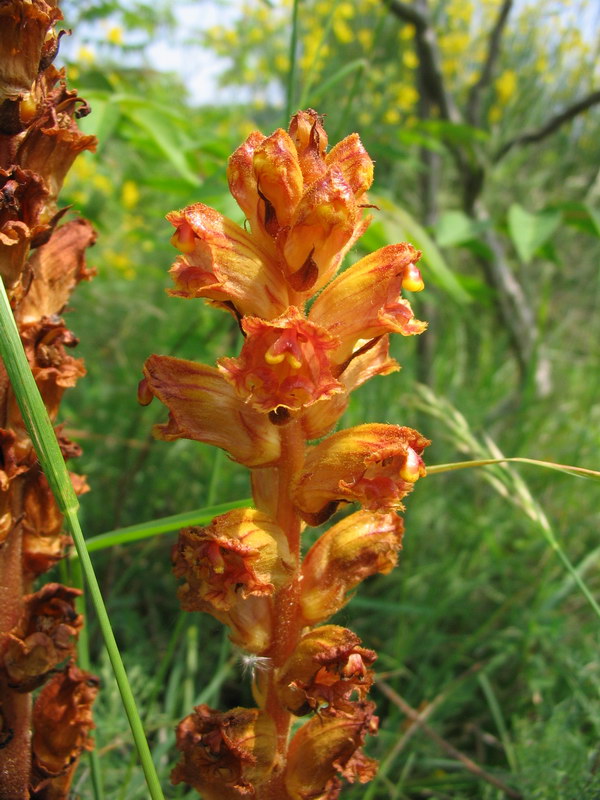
(327,668)
(57,268)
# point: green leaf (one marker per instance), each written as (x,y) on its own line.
(456,227)
(582,216)
(530,231)
(164,134)
(400,225)
(145,530)
(578,472)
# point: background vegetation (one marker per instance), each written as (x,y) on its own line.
(486,159)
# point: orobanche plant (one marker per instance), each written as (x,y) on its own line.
(42,259)
(311,336)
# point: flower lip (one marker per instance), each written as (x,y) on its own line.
(284,363)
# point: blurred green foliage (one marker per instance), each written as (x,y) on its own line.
(478,592)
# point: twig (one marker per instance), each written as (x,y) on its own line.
(551,125)
(428,710)
(474,101)
(468,763)
(429,60)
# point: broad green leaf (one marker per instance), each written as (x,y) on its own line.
(530,231)
(456,227)
(582,216)
(162,132)
(400,225)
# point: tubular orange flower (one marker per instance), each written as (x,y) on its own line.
(373,464)
(363,302)
(284,363)
(326,747)
(240,553)
(224,264)
(203,406)
(361,545)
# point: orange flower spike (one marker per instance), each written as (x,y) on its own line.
(283,364)
(373,464)
(240,553)
(360,545)
(327,668)
(364,301)
(203,406)
(279,180)
(328,746)
(224,754)
(224,264)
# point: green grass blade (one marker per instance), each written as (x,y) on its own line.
(578,472)
(83,659)
(51,460)
(358,65)
(291,82)
(145,530)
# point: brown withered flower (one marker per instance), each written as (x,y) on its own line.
(62,721)
(44,637)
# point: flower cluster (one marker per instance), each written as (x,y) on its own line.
(41,262)
(312,334)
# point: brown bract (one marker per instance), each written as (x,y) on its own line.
(23,34)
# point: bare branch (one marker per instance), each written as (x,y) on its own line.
(432,80)
(551,125)
(474,101)
(407,13)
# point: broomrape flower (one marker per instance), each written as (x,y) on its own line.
(289,385)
